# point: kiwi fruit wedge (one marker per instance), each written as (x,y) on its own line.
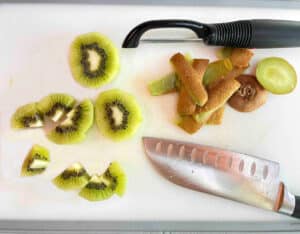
(73,177)
(166,84)
(98,188)
(73,128)
(117,114)
(36,161)
(55,106)
(94,60)
(27,116)
(118,178)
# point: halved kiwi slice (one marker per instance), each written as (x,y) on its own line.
(54,106)
(27,116)
(276,75)
(118,115)
(73,177)
(98,188)
(94,60)
(36,161)
(73,128)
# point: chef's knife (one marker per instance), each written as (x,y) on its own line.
(258,33)
(239,177)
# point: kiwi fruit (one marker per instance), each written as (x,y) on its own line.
(166,84)
(118,178)
(55,106)
(36,161)
(73,177)
(27,116)
(73,128)
(276,75)
(94,60)
(98,188)
(118,115)
(250,96)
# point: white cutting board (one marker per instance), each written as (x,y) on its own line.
(34,45)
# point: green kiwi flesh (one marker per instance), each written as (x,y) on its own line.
(99,188)
(76,124)
(36,161)
(27,116)
(73,177)
(55,106)
(118,178)
(164,85)
(118,115)
(94,60)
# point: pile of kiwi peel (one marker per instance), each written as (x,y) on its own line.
(95,187)
(69,122)
(93,59)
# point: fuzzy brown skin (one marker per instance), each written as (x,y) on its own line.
(189,125)
(217,117)
(219,95)
(191,80)
(250,96)
(185,105)
(241,57)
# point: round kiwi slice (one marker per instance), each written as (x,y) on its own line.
(118,178)
(56,105)
(250,96)
(118,115)
(73,128)
(27,116)
(94,60)
(98,188)
(36,161)
(73,177)
(276,75)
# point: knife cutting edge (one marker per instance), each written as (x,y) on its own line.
(235,176)
(258,33)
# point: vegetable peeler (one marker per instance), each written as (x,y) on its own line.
(256,33)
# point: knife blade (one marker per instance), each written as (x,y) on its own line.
(231,175)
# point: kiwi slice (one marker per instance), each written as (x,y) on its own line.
(276,75)
(94,60)
(27,116)
(36,161)
(98,188)
(54,106)
(73,177)
(118,115)
(73,128)
(118,177)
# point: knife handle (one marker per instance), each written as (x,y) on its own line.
(296,212)
(255,34)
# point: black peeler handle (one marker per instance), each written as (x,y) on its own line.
(258,33)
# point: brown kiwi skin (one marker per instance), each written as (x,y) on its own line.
(250,96)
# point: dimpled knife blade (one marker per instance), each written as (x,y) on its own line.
(235,176)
